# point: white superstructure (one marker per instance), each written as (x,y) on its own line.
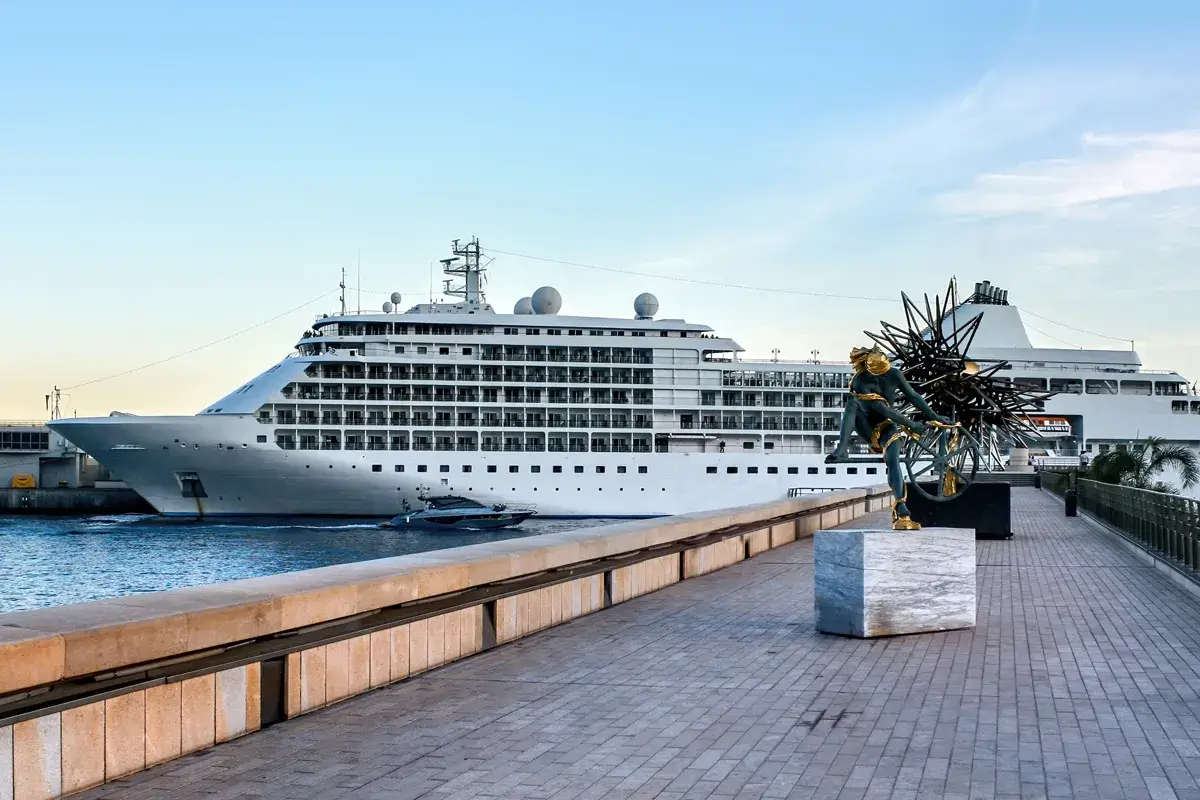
(582,416)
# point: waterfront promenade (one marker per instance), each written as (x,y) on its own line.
(1080,680)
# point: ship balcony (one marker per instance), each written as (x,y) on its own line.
(555,447)
(422,446)
(490,447)
(398,446)
(577,448)
(285,444)
(351,445)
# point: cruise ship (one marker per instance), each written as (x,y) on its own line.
(580,416)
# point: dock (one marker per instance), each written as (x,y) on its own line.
(1079,680)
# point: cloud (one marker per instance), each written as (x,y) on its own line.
(1109,167)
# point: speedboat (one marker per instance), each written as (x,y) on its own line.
(452,511)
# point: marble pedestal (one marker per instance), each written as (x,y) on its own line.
(872,583)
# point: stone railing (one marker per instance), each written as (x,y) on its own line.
(95,691)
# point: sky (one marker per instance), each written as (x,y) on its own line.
(173,175)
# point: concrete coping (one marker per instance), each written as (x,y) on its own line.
(43,646)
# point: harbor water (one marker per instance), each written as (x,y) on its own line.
(48,561)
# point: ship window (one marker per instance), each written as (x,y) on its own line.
(731,470)
(1066,385)
(262,439)
(466,351)
(747,445)
(579,469)
(752,470)
(443,351)
(620,470)
(535,468)
(711,470)
(399,468)
(793,470)
(812,470)
(1135,387)
(599,470)
(399,348)
(513,468)
(831,470)
(768,445)
(377,468)
(491,467)
(466,467)
(556,469)
(422,351)
(643,470)
(851,470)
(1098,386)
(772,470)
(444,468)
(422,468)
(872,470)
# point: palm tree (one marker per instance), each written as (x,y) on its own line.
(1140,465)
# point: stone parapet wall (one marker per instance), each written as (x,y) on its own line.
(95,691)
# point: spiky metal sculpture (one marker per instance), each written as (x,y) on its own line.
(932,353)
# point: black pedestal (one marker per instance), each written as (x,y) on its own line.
(986,507)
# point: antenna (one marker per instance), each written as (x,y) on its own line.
(358,280)
(431,282)
(342,295)
(52,403)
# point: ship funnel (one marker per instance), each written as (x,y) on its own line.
(978,288)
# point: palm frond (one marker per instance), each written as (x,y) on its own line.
(1182,458)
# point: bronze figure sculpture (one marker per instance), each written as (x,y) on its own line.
(876,385)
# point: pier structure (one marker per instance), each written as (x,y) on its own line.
(701,676)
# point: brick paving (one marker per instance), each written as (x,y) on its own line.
(1080,680)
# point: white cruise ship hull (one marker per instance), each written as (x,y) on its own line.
(241,476)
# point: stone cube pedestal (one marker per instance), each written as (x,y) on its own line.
(872,583)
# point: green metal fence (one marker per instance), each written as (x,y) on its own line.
(1166,524)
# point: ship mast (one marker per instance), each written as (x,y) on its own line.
(466,263)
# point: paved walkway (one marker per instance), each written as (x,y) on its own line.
(1080,681)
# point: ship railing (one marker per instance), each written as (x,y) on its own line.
(513,448)
(556,448)
(577,448)
(444,446)
(422,446)
(641,448)
(377,446)
(398,446)
(305,445)
(355,446)
(331,445)
(284,444)
(490,447)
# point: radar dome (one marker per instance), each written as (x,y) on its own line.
(396,299)
(546,300)
(387,308)
(523,306)
(645,306)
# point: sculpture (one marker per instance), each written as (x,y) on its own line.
(963,403)
(869,411)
